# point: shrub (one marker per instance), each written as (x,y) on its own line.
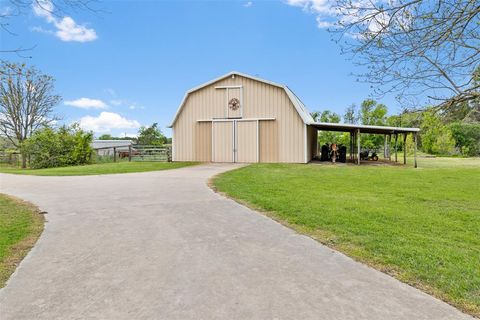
(65,146)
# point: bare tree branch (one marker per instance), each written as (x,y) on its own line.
(413,47)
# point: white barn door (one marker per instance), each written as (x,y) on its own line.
(223,141)
(235,141)
(246,145)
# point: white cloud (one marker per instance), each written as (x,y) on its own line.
(69,30)
(66,28)
(117,102)
(323,24)
(41,30)
(132,105)
(135,107)
(328,13)
(311,5)
(44,9)
(87,103)
(248,4)
(107,121)
(322,8)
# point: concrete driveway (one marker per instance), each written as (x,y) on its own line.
(162,245)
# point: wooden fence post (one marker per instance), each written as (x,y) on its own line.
(358,146)
(385,146)
(129,153)
(114,154)
(351,146)
(396,146)
(415,150)
(389,145)
(405,148)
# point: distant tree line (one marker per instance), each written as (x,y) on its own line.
(151,135)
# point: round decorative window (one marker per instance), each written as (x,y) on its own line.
(234,104)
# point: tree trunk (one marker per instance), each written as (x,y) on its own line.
(24,161)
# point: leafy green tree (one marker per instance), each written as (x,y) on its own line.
(330,117)
(467,137)
(329,136)
(151,135)
(406,119)
(106,136)
(351,115)
(395,120)
(65,146)
(409,120)
(436,137)
(459,113)
(315,115)
(82,144)
(372,113)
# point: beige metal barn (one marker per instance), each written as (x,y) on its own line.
(241,118)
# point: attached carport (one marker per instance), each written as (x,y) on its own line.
(356,130)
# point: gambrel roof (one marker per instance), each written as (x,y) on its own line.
(299,106)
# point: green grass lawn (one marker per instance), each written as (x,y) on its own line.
(20,227)
(101,168)
(420,225)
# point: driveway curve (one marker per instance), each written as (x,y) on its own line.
(162,245)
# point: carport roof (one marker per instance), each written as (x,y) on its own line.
(347,127)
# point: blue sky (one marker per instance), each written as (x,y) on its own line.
(133,62)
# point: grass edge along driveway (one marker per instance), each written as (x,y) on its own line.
(20,226)
(99,168)
(418,225)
